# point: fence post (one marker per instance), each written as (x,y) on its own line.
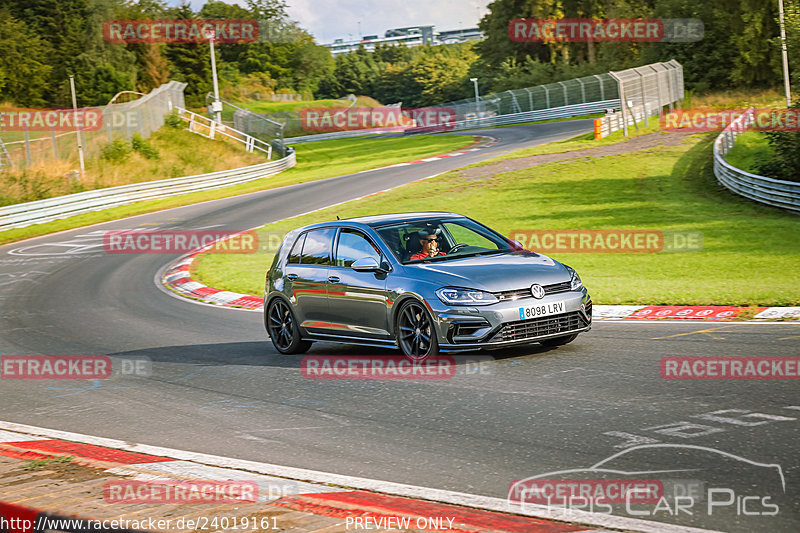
(623,106)
(546,96)
(566,98)
(583,91)
(55,144)
(658,94)
(28,158)
(602,91)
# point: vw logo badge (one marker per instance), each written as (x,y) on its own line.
(537,291)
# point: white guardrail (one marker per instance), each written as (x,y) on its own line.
(29,213)
(566,111)
(769,191)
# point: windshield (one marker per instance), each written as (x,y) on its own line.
(438,239)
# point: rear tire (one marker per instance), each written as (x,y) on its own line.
(559,341)
(415,332)
(283,329)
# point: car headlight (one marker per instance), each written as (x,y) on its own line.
(575,283)
(456,296)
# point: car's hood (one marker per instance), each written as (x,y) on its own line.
(494,273)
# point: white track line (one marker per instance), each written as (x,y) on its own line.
(387,487)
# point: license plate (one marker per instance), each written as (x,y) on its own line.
(536,311)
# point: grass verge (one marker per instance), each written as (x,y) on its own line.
(750,254)
(750,149)
(315,160)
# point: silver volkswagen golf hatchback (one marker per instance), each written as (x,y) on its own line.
(421,282)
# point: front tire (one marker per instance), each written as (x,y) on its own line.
(416,335)
(559,341)
(283,329)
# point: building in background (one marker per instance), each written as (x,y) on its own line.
(411,36)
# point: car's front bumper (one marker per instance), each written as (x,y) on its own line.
(499,325)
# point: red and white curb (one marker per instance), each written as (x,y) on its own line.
(322,492)
(176,278)
(691,312)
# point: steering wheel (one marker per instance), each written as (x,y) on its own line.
(457,247)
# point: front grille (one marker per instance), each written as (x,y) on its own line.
(518,294)
(540,327)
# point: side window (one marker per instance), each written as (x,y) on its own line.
(317,248)
(297,249)
(353,246)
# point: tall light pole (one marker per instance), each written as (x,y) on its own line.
(75,119)
(785,57)
(216,106)
(477,96)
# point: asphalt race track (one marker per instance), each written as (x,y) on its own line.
(219,387)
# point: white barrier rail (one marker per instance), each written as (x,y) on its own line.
(769,191)
(209,128)
(566,111)
(40,211)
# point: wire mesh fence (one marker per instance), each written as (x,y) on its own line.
(595,88)
(266,128)
(27,147)
(643,92)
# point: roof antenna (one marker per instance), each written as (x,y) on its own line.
(337,217)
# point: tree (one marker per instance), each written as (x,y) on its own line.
(23,72)
(190,63)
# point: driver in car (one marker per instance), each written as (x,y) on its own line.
(430,245)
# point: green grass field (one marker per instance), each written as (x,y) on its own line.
(750,149)
(315,160)
(751,253)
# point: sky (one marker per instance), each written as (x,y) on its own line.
(331,19)
(327,20)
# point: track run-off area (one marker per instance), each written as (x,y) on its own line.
(217,386)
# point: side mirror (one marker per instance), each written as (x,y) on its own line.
(366,264)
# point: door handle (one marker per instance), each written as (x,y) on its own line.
(333,279)
(292,277)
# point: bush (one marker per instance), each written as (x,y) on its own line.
(148,151)
(786,159)
(174,121)
(116,152)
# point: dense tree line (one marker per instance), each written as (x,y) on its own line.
(43,41)
(740,48)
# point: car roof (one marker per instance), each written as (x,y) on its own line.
(381,220)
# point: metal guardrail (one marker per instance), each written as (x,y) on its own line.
(540,114)
(472,123)
(769,191)
(40,211)
(338,135)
